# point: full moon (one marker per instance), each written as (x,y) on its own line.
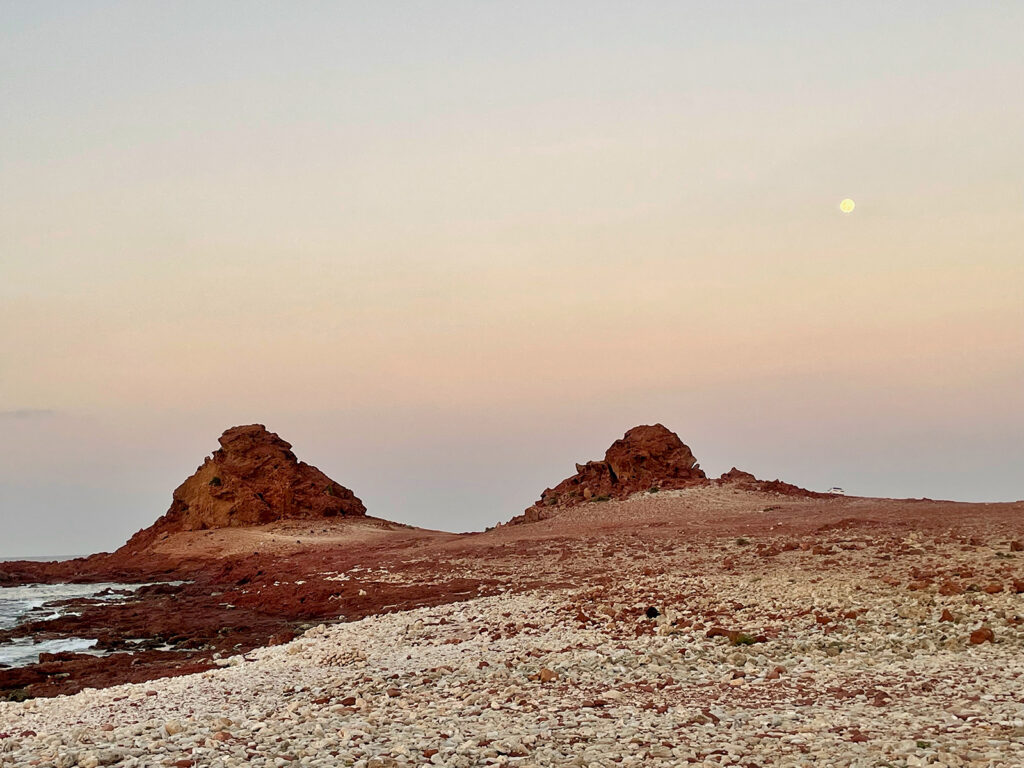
(847,205)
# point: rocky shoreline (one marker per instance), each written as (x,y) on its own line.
(212,606)
(792,659)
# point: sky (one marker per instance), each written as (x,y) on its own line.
(449,249)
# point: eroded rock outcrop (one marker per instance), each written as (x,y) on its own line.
(747,482)
(737,477)
(253,479)
(645,457)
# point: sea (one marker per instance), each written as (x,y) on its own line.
(32,602)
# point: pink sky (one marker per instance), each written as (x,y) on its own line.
(448,255)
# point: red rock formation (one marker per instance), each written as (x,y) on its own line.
(253,479)
(646,457)
(747,482)
(737,476)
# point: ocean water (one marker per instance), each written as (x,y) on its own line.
(30,602)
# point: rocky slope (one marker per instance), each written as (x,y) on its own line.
(645,457)
(253,479)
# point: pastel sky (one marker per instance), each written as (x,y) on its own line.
(448,249)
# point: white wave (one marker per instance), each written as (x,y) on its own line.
(26,651)
(18,604)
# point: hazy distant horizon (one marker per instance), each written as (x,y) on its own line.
(447,251)
(127,509)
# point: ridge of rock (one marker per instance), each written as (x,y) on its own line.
(252,479)
(748,482)
(646,456)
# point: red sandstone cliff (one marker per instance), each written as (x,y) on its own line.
(253,479)
(645,457)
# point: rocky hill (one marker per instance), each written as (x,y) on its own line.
(645,457)
(253,479)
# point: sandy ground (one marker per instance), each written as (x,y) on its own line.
(289,537)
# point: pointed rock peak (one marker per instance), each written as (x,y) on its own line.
(252,479)
(248,436)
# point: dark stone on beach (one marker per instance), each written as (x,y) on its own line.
(653,613)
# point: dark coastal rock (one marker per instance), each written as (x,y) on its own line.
(19,677)
(46,658)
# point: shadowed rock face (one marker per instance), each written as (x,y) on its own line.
(253,479)
(651,455)
(645,457)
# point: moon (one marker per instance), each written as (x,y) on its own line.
(847,206)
